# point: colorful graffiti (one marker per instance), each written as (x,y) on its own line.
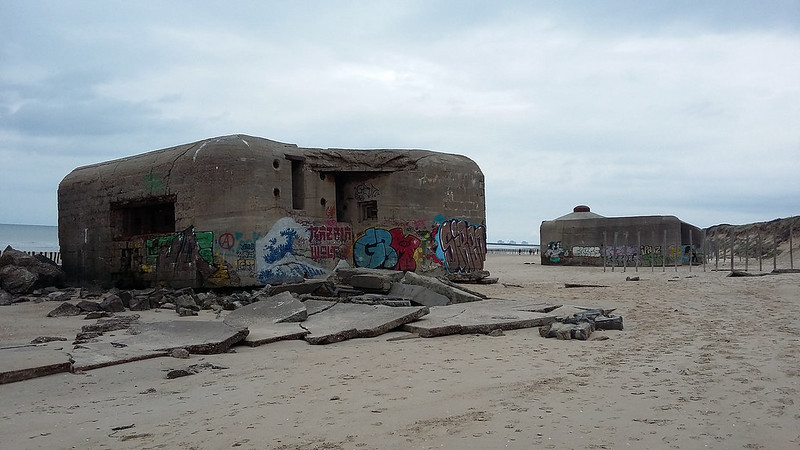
(179,247)
(276,257)
(330,241)
(241,251)
(554,252)
(621,255)
(652,255)
(186,257)
(461,245)
(378,248)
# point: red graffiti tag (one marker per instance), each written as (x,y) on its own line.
(226,241)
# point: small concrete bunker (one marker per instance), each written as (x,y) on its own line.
(589,239)
(246,211)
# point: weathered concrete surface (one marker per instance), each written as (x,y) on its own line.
(275,309)
(267,333)
(344,321)
(270,320)
(97,355)
(150,340)
(26,362)
(418,294)
(455,294)
(479,317)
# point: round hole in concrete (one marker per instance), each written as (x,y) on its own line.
(322,201)
(276,163)
(276,192)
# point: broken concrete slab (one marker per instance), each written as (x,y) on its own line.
(371,282)
(199,337)
(418,294)
(282,307)
(380,299)
(456,295)
(24,362)
(310,286)
(270,319)
(267,333)
(315,306)
(343,273)
(344,321)
(96,355)
(149,340)
(478,317)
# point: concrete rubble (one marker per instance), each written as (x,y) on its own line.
(351,303)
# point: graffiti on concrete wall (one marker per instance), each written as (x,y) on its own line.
(278,254)
(621,255)
(153,183)
(586,252)
(379,248)
(186,256)
(180,247)
(241,249)
(652,255)
(333,241)
(555,252)
(461,245)
(366,192)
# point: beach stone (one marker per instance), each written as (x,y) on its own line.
(181,353)
(126,297)
(59,296)
(17,280)
(46,272)
(5,298)
(64,310)
(185,312)
(139,303)
(89,306)
(97,315)
(187,302)
(112,303)
(177,373)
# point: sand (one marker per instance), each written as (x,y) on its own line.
(704,361)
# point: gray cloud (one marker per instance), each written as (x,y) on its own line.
(633,108)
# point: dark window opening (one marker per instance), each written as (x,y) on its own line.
(368,210)
(298,187)
(148,216)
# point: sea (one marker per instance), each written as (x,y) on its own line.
(29,238)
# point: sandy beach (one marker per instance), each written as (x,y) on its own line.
(704,361)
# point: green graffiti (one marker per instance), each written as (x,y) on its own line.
(204,239)
(153,182)
(205,245)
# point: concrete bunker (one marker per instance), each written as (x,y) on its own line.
(246,211)
(583,237)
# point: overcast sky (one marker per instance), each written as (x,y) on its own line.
(679,108)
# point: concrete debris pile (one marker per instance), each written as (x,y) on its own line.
(350,303)
(21,273)
(344,285)
(581,325)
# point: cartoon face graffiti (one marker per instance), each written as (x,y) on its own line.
(554,251)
